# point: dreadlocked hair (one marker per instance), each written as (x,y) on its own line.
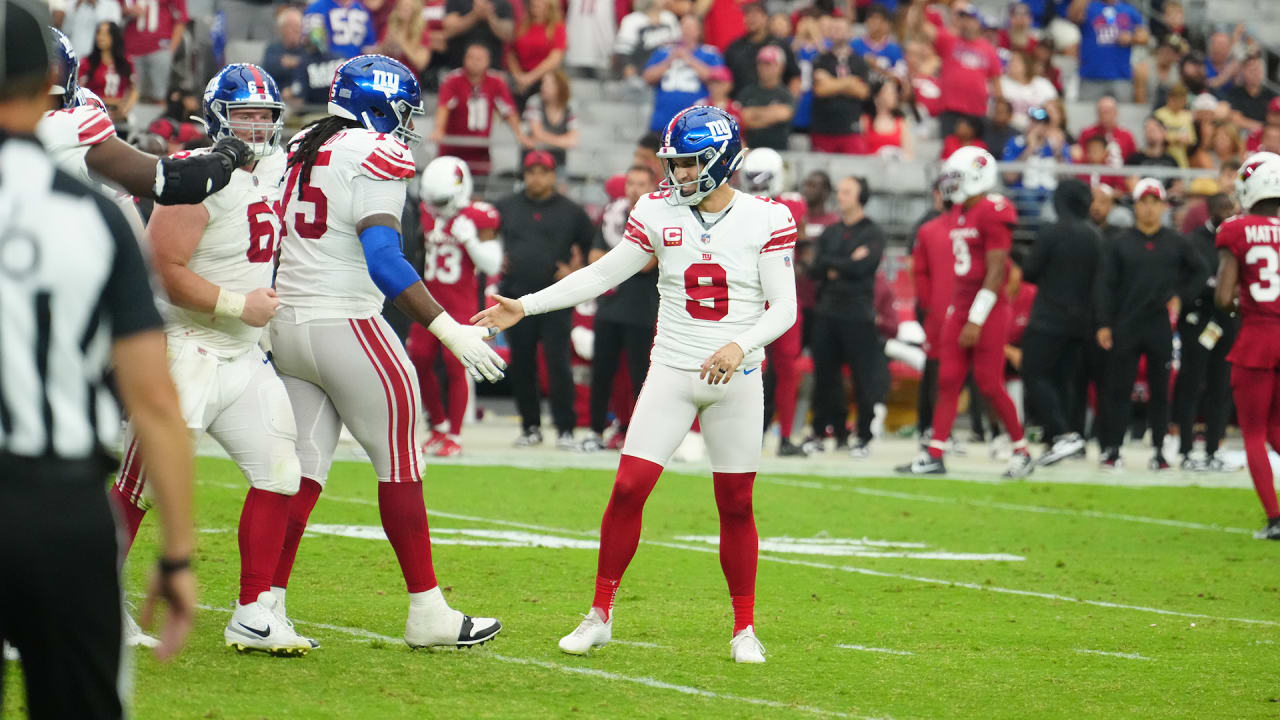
(318,133)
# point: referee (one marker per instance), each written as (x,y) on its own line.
(74,294)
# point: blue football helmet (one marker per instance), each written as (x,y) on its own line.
(65,66)
(708,134)
(244,86)
(379,93)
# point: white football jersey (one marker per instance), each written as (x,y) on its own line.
(235,252)
(322,272)
(708,278)
(68,134)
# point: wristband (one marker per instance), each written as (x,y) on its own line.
(442,324)
(230,304)
(169,567)
(981,307)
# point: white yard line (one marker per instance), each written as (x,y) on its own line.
(1126,656)
(586,671)
(864,648)
(1097,514)
(856,570)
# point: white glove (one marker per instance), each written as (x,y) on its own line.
(464,230)
(467,343)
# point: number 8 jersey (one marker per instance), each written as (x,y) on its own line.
(1255,241)
(708,272)
(235,252)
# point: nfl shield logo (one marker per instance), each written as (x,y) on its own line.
(706,237)
(787,261)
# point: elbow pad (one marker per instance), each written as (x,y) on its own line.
(190,180)
(385,260)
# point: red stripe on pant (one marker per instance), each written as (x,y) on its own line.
(131,480)
(401,441)
(402,380)
(386,389)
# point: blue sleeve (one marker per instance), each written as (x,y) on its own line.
(658,56)
(1011,150)
(712,57)
(390,271)
(1136,16)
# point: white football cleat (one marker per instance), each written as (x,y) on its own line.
(745,647)
(432,623)
(279,592)
(133,635)
(256,626)
(591,633)
(10,654)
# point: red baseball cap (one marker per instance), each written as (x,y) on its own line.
(1149,187)
(719,73)
(771,54)
(540,157)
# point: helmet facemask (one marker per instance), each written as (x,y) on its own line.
(405,114)
(698,188)
(261,137)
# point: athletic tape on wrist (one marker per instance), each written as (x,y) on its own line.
(982,305)
(230,304)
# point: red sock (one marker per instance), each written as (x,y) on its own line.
(300,507)
(131,515)
(739,543)
(404,519)
(620,527)
(263,522)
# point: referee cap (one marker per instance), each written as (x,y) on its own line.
(24,50)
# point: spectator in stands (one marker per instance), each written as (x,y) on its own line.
(247,19)
(1109,29)
(109,73)
(1020,36)
(1197,213)
(646,153)
(922,71)
(1159,77)
(1172,23)
(719,93)
(1024,89)
(343,27)
(998,130)
(1057,110)
(780,27)
(625,317)
(971,67)
(589,29)
(1250,99)
(885,130)
(283,57)
(1042,147)
(1221,64)
(314,77)
(1194,74)
(966,131)
(545,236)
(550,118)
(469,97)
(81,23)
(152,33)
(839,89)
(741,55)
(766,106)
(724,20)
(844,331)
(467,22)
(1154,150)
(807,46)
(816,190)
(1096,151)
(380,13)
(650,27)
(538,47)
(1119,141)
(1257,138)
(406,37)
(877,46)
(679,73)
(1224,144)
(1179,126)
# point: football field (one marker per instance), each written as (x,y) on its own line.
(877,597)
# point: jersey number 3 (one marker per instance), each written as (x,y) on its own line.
(707,286)
(1267,288)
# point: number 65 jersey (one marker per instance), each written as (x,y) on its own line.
(1255,241)
(235,252)
(709,277)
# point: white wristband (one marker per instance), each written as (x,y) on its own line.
(158,187)
(230,304)
(442,325)
(981,307)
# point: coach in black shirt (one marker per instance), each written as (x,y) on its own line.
(1142,269)
(75,286)
(844,328)
(545,236)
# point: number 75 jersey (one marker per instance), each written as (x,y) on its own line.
(709,279)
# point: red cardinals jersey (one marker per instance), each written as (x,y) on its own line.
(933,268)
(1255,241)
(448,270)
(109,82)
(471,106)
(988,225)
(152,30)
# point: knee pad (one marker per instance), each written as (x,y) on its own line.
(283,472)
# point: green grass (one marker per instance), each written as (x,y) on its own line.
(974,653)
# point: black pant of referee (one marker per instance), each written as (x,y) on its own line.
(839,341)
(60,592)
(1151,338)
(1203,387)
(552,330)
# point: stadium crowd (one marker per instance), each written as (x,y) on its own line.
(909,80)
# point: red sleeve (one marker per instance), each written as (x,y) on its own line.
(502,99)
(447,91)
(995,68)
(1227,234)
(82,72)
(389,160)
(179,10)
(944,42)
(636,233)
(558,41)
(95,128)
(782,234)
(484,215)
(997,224)
(920,270)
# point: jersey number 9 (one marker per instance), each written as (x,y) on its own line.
(707,286)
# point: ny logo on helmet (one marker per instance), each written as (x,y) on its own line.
(720,130)
(385,82)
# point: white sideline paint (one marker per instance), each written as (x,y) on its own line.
(864,648)
(1097,514)
(589,672)
(857,570)
(1126,656)
(849,547)
(452,536)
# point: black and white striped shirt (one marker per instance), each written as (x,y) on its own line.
(72,279)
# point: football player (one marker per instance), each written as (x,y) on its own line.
(1249,274)
(215,261)
(980,227)
(460,237)
(722,255)
(340,361)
